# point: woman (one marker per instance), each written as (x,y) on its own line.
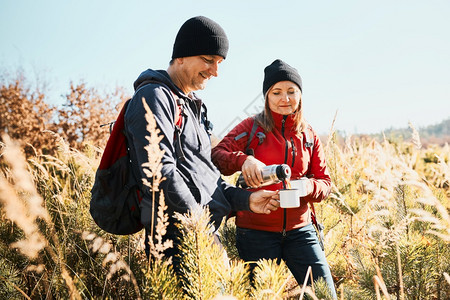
(282,137)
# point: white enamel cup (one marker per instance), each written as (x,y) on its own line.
(300,184)
(289,198)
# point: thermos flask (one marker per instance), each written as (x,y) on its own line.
(271,174)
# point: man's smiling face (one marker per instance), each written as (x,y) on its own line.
(197,70)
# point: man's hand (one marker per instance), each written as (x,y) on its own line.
(264,202)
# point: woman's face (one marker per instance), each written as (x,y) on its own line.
(284,97)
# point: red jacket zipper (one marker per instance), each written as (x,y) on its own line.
(285,161)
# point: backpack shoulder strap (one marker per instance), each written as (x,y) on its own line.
(209,126)
(309,143)
(179,112)
(308,137)
(249,151)
(308,140)
(260,135)
(317,226)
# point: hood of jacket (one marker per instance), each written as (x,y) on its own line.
(160,76)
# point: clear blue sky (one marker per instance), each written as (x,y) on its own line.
(379,63)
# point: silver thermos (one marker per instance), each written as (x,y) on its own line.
(271,174)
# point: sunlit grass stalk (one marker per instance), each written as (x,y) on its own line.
(379,284)
(400,273)
(26,208)
(200,256)
(153,167)
(160,279)
(270,279)
(304,285)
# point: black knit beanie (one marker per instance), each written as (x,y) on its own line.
(280,71)
(200,36)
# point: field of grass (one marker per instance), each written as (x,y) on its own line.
(387,230)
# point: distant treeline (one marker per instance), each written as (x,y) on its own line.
(437,134)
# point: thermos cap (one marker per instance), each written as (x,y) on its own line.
(283,172)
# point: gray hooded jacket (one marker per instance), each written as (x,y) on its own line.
(188,182)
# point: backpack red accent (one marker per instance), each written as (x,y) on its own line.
(116,147)
(115,195)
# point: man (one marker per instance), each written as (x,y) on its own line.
(190,176)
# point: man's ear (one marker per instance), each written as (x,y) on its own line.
(180,60)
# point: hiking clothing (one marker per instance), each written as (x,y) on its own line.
(190,181)
(299,248)
(286,233)
(302,153)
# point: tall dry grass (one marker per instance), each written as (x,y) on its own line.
(388,211)
(387,225)
(25,207)
(392,203)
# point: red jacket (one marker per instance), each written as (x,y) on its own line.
(280,146)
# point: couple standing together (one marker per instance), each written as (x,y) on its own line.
(192,169)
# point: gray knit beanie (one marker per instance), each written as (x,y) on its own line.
(200,36)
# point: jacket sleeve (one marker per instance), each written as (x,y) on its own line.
(178,196)
(229,154)
(318,173)
(237,199)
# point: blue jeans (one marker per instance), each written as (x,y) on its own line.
(299,248)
